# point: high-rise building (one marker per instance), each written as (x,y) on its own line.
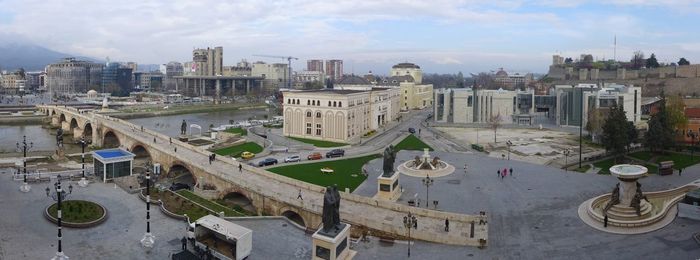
(132,65)
(275,74)
(73,76)
(334,69)
(172,70)
(148,81)
(314,65)
(205,62)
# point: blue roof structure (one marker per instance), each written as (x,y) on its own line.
(112,155)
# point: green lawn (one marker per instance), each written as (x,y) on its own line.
(642,155)
(216,207)
(77,211)
(236,150)
(605,165)
(411,142)
(583,169)
(237,130)
(679,160)
(318,143)
(347,173)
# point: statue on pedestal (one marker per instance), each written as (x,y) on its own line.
(331,206)
(183,127)
(59,138)
(614,198)
(389,158)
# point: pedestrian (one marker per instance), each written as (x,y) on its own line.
(184,243)
(141,128)
(505,171)
(176,149)
(447,225)
(680,171)
(154,139)
(503,175)
(213,157)
(465,168)
(511,171)
(498,173)
(240,167)
(605,221)
(170,139)
(299,196)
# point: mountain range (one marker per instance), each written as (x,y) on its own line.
(31,57)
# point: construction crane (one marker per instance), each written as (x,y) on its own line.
(289,66)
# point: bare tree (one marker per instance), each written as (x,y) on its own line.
(638,60)
(495,123)
(596,118)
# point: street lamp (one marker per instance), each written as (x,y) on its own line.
(83,181)
(24,148)
(509,144)
(410,221)
(427,181)
(59,195)
(693,136)
(148,239)
(566,159)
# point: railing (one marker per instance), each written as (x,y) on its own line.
(46,176)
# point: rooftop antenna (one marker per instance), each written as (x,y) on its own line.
(615,48)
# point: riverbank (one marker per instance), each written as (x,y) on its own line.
(21,120)
(155,112)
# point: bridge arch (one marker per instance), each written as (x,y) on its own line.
(110,140)
(87,131)
(238,198)
(140,151)
(62,118)
(293,216)
(180,172)
(73,123)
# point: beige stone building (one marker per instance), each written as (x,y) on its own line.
(12,83)
(409,77)
(338,115)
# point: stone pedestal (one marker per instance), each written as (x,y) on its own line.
(388,187)
(59,155)
(332,247)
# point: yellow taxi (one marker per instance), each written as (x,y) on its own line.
(247,155)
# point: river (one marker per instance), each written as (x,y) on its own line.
(44,139)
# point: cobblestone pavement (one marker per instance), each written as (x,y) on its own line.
(533,214)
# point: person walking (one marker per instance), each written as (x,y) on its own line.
(176,149)
(503,175)
(465,168)
(299,196)
(447,225)
(498,173)
(240,167)
(184,243)
(680,171)
(511,171)
(170,139)
(605,221)
(505,172)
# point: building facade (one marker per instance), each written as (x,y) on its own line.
(338,115)
(13,83)
(73,76)
(314,65)
(575,102)
(303,78)
(466,105)
(172,69)
(148,81)
(205,62)
(408,77)
(334,69)
(275,74)
(513,80)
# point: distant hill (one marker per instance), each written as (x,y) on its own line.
(29,56)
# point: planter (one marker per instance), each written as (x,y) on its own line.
(78,224)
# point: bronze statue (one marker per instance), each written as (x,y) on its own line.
(330,213)
(59,137)
(614,198)
(183,127)
(336,208)
(416,161)
(389,158)
(636,203)
(436,161)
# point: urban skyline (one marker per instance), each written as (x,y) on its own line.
(444,36)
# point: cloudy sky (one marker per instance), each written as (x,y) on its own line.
(442,36)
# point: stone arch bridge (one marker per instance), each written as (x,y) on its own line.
(266,191)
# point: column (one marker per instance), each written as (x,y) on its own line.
(247,86)
(187,86)
(217,99)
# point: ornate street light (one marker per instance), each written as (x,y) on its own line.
(567,152)
(83,181)
(59,195)
(693,136)
(410,222)
(24,148)
(427,181)
(509,143)
(148,239)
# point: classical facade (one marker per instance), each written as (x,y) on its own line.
(512,80)
(73,76)
(466,105)
(338,115)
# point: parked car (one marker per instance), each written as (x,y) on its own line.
(314,156)
(247,155)
(293,158)
(411,130)
(267,161)
(335,153)
(179,186)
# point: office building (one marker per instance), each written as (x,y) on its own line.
(408,77)
(73,76)
(314,65)
(172,69)
(467,105)
(575,102)
(274,74)
(334,69)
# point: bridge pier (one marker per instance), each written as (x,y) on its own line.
(55,122)
(77,133)
(65,125)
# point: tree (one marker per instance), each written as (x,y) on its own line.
(568,60)
(617,131)
(675,109)
(652,62)
(594,124)
(659,137)
(637,60)
(683,61)
(460,80)
(495,123)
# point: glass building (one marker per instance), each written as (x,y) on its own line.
(112,163)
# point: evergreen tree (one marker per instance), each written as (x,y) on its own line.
(683,61)
(659,137)
(652,62)
(617,132)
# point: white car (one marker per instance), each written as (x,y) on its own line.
(293,158)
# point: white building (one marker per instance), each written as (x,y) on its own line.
(466,105)
(571,104)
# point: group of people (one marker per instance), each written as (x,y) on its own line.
(212,157)
(505,172)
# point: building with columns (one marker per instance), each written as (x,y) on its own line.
(466,105)
(574,102)
(338,115)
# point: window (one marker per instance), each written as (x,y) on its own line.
(318,114)
(340,104)
(308,102)
(318,129)
(298,101)
(318,102)
(329,103)
(289,101)
(334,104)
(308,114)
(469,101)
(308,128)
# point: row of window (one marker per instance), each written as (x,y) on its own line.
(315,102)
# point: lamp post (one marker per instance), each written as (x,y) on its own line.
(509,144)
(83,181)
(427,181)
(693,136)
(410,221)
(148,239)
(566,159)
(24,148)
(59,195)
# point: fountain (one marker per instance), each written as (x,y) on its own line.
(627,210)
(422,166)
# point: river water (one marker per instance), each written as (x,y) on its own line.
(44,139)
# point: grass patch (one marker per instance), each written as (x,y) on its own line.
(679,160)
(605,165)
(77,211)
(319,143)
(237,130)
(348,172)
(583,168)
(411,142)
(642,155)
(178,205)
(236,150)
(216,207)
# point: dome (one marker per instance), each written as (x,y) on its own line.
(92,93)
(353,80)
(405,65)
